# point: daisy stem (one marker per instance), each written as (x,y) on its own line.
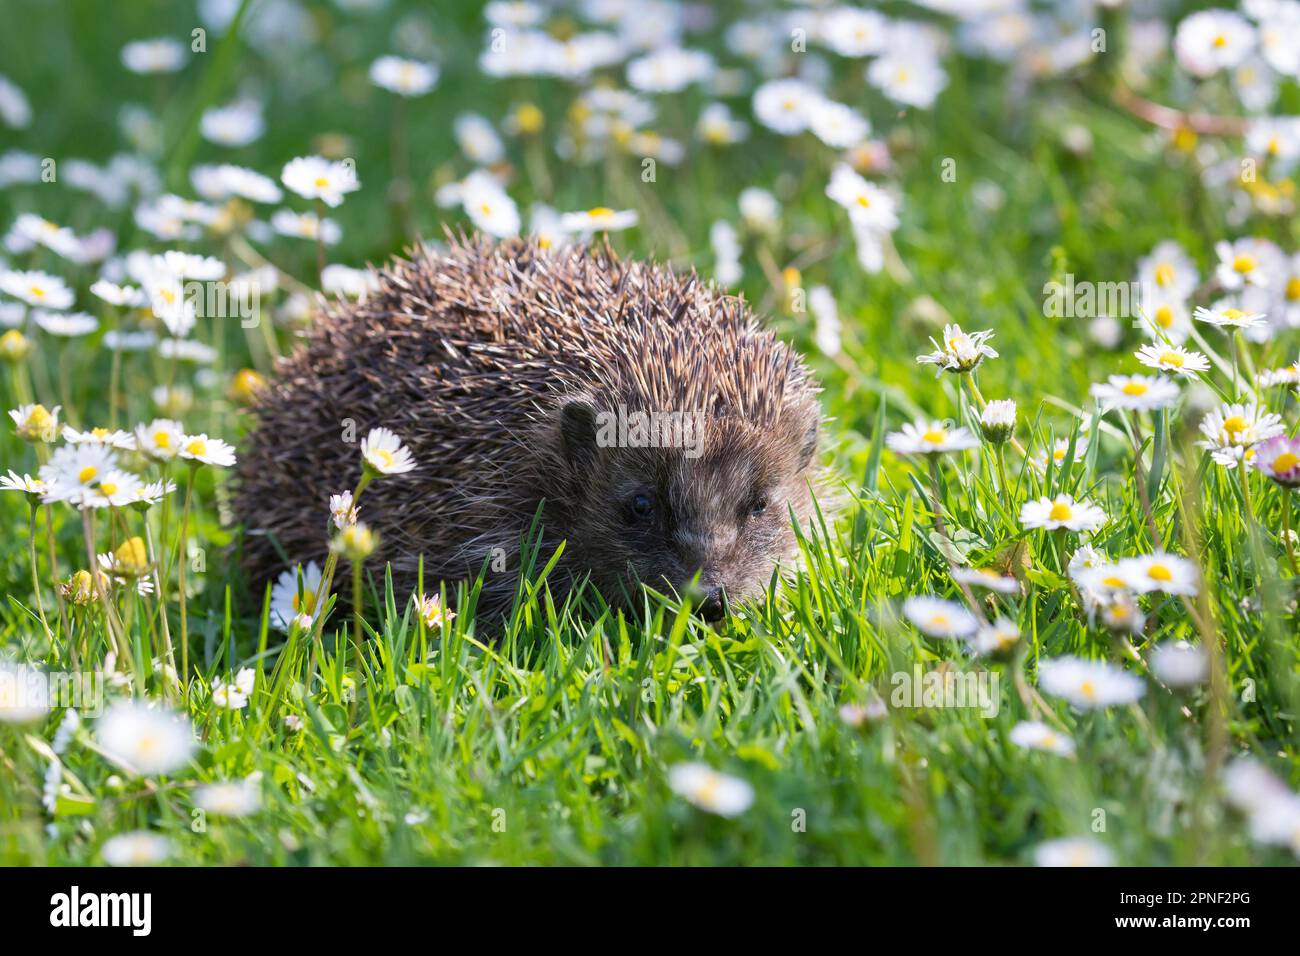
(101,593)
(36,580)
(356,614)
(941,527)
(1286,531)
(1139,479)
(331,565)
(182,557)
(54,576)
(168,653)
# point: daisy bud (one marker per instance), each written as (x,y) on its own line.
(14,346)
(79,589)
(998,421)
(246,385)
(131,557)
(36,423)
(357,542)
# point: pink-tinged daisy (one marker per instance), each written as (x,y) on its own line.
(1279,458)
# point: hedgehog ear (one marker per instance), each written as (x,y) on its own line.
(578,431)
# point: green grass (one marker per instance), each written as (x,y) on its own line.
(552,744)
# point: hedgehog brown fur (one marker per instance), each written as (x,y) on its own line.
(493,362)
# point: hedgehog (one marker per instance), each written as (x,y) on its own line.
(639,421)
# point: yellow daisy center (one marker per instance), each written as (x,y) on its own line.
(383,455)
(1114,581)
(939,621)
(1164,317)
(304,603)
(1060,512)
(37,292)
(1293,289)
(1159,572)
(1173,358)
(108,487)
(1244,264)
(196,446)
(1088,690)
(162,439)
(600,212)
(1164,274)
(1135,388)
(863,201)
(1220,41)
(1235,424)
(935,436)
(1286,461)
(87,474)
(1233,314)
(320,182)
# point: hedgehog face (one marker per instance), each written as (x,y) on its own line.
(715,512)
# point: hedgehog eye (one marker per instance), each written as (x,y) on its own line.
(642,505)
(758,506)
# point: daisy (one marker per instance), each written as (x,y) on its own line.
(1088,684)
(306,225)
(342,511)
(669,69)
(1231,431)
(784,106)
(986,578)
(1073,851)
(998,420)
(36,288)
(126,296)
(1062,512)
(706,788)
(1179,664)
(718,127)
(187,350)
(478,140)
(123,441)
(384,453)
(65,324)
(229,799)
(209,451)
(152,493)
(432,611)
(288,605)
(115,490)
(1036,735)
(24,694)
(34,488)
(1135,392)
(996,639)
(837,125)
(1159,572)
(403,77)
(759,209)
(1061,448)
(144,739)
(599,219)
(238,124)
(160,439)
(489,206)
(1120,613)
(1173,358)
(929,438)
(870,208)
(960,352)
(911,77)
(1225,315)
(852,32)
(1213,40)
(223,181)
(74,470)
(233,695)
(36,422)
(160,55)
(1243,262)
(1168,271)
(936,617)
(314,177)
(1279,458)
(1166,317)
(347,282)
(136,848)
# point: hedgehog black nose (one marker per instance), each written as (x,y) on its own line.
(713,607)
